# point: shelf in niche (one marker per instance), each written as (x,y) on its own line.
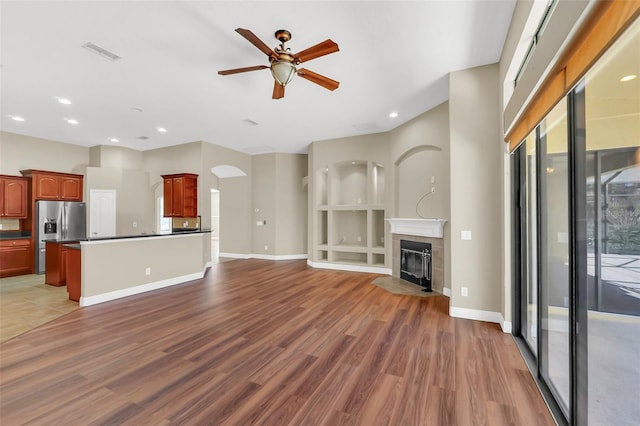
(377,250)
(323,207)
(377,259)
(350,248)
(322,247)
(349,257)
(349,207)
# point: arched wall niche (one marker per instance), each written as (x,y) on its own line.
(421,182)
(416,149)
(227,171)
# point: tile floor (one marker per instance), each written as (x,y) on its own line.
(27,302)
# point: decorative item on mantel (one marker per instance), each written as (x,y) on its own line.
(433,228)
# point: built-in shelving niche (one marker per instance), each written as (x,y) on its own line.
(349,219)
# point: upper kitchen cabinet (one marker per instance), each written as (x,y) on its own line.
(13,197)
(55,186)
(180,195)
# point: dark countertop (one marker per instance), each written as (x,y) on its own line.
(14,235)
(124,237)
(73,246)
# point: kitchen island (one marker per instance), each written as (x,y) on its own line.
(115,267)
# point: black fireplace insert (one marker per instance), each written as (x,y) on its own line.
(415,263)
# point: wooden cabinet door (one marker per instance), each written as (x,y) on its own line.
(16,257)
(178,197)
(15,198)
(46,187)
(168,197)
(70,188)
(2,184)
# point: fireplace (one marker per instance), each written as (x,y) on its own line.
(416,263)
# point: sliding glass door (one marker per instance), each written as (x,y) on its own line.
(578,192)
(611,96)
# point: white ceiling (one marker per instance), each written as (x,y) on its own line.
(394,56)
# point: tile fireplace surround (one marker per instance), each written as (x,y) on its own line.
(437,251)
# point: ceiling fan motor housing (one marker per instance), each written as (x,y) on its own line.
(283,35)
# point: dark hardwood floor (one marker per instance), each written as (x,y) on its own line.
(274,343)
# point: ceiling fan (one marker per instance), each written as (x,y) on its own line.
(284,64)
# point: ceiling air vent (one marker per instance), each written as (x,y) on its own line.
(100,51)
(143,138)
(249,122)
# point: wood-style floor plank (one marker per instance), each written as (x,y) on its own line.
(272,343)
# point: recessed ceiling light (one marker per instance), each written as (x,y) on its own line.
(64,101)
(162,130)
(16,118)
(393,114)
(628,78)
(114,140)
(72,121)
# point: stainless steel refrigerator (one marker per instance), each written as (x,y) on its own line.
(58,220)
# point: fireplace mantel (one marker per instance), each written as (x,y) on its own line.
(433,228)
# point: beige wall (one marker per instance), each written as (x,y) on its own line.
(264,204)
(476,147)
(116,156)
(291,204)
(19,152)
(235,197)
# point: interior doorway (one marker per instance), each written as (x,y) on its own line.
(215,225)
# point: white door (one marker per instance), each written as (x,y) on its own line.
(102,213)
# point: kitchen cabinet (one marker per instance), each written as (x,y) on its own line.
(56,264)
(13,197)
(55,186)
(180,195)
(15,257)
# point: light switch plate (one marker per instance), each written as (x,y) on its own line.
(465,235)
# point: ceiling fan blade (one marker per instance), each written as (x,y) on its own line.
(253,39)
(320,49)
(278,90)
(323,81)
(245,69)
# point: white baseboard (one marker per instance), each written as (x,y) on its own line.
(280,257)
(446,291)
(488,316)
(264,256)
(348,267)
(235,255)
(118,294)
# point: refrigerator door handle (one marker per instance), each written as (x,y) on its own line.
(63,221)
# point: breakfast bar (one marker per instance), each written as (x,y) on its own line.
(103,269)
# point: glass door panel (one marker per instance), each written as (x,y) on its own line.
(554,252)
(612,129)
(530,231)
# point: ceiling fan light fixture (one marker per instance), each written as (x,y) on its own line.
(283,72)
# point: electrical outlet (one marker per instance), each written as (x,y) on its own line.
(135,224)
(147,271)
(266,247)
(433,189)
(359,238)
(464,291)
